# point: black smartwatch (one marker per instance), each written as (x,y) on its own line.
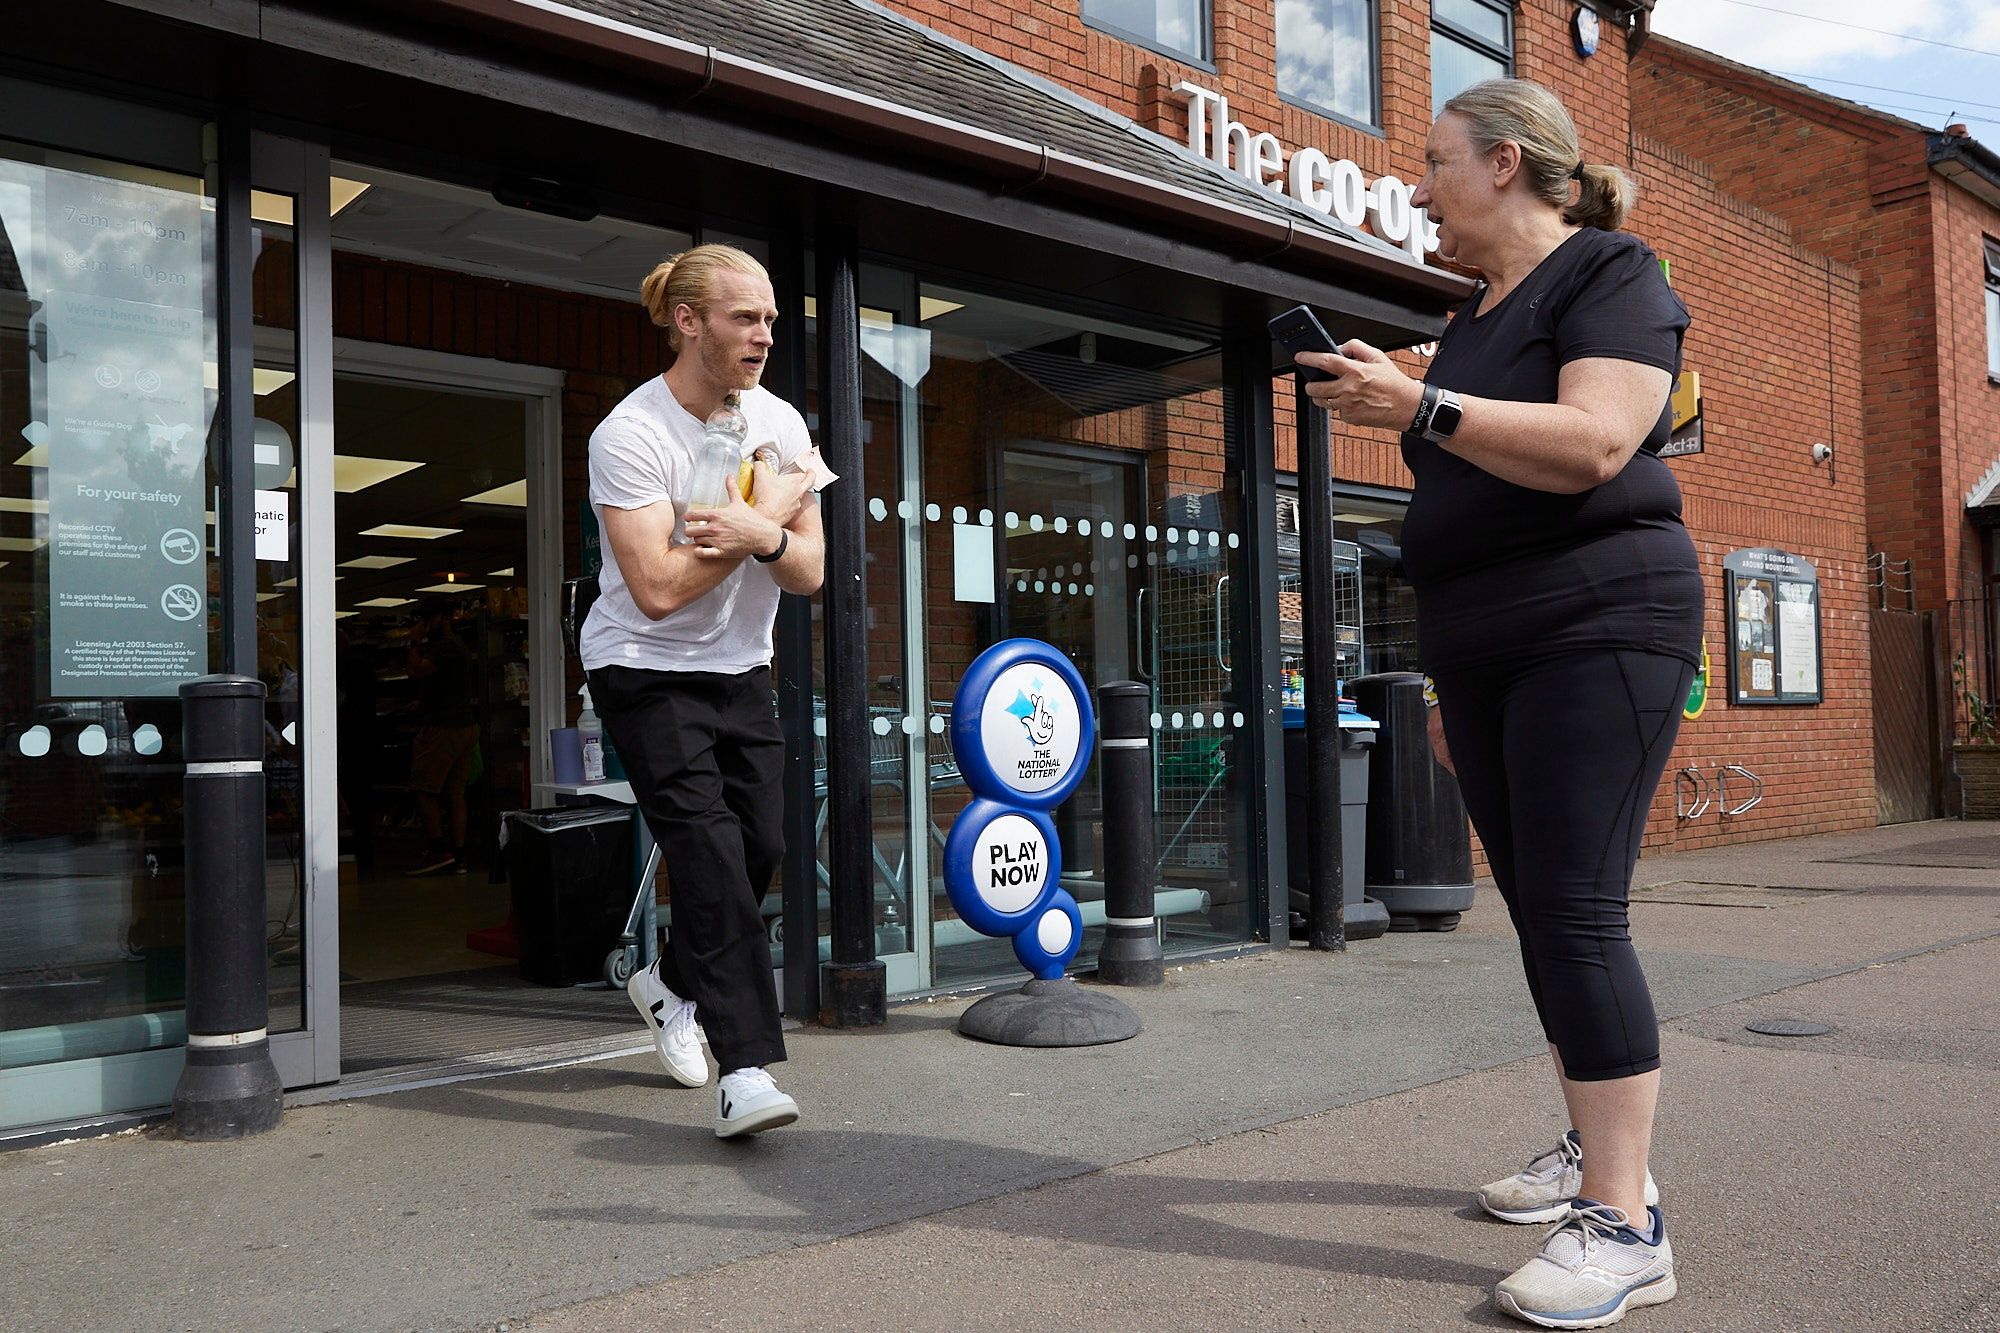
(1438,415)
(784,540)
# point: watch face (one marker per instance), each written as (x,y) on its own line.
(1586,28)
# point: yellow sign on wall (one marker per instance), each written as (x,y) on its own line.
(1687,398)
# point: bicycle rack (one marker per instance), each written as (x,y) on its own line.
(1686,780)
(1722,773)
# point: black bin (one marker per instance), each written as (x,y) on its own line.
(1419,846)
(1363,917)
(570,869)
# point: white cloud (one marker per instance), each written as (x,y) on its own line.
(1767,40)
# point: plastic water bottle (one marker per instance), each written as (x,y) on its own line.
(719,457)
(591,732)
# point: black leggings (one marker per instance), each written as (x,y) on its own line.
(1558,761)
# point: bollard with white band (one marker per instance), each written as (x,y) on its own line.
(229,1088)
(1022,728)
(1131,953)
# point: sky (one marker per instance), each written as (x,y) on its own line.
(1929,84)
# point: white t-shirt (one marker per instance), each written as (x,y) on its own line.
(641,454)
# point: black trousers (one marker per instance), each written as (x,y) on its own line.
(1558,761)
(705,758)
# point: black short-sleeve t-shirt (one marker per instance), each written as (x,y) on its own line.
(1504,571)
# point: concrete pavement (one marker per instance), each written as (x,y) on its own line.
(1290,1144)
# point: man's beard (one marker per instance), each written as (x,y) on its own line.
(724,368)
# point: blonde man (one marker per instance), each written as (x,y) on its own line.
(678,649)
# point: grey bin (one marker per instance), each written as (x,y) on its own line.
(1419,845)
(1364,917)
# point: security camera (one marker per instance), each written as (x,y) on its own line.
(1822,452)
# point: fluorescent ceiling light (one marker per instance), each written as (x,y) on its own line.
(387,601)
(342,615)
(23,543)
(35,457)
(267,596)
(1364,518)
(411,531)
(880,319)
(343,192)
(930,307)
(272,208)
(292,582)
(263,379)
(514,493)
(453,587)
(351,473)
(506,573)
(10,505)
(376,561)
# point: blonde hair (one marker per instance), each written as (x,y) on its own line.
(1531,117)
(688,279)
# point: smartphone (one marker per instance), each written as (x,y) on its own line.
(1299,330)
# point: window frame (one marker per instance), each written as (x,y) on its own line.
(1468,38)
(1374,124)
(1204,62)
(1991,250)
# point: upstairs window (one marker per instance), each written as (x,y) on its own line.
(1471,41)
(1327,58)
(1171,27)
(1993,309)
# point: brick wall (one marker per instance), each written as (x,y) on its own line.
(1767,311)
(1853,184)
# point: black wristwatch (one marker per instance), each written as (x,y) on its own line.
(1438,415)
(784,540)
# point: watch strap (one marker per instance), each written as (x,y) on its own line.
(1425,410)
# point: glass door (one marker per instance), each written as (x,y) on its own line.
(291,300)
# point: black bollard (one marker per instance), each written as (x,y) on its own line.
(1131,953)
(229,1089)
(1326,923)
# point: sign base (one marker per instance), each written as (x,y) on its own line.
(1050,1013)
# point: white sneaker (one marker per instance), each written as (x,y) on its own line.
(671,1021)
(748,1102)
(1544,1189)
(1592,1269)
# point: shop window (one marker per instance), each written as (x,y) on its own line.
(1171,27)
(1993,310)
(1373,598)
(108,601)
(1327,57)
(1471,41)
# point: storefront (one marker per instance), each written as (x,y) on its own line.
(304,324)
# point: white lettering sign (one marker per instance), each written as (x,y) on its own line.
(1337,189)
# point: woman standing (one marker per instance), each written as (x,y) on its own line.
(1559,614)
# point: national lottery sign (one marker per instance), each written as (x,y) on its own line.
(1022,729)
(1021,725)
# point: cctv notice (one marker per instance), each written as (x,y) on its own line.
(126,414)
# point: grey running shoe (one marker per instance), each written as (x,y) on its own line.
(1544,1189)
(1591,1270)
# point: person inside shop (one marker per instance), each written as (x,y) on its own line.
(678,650)
(1559,615)
(441,752)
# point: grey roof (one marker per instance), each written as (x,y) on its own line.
(863,48)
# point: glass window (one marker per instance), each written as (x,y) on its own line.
(108,587)
(1080,475)
(1326,55)
(1471,41)
(1993,309)
(1176,27)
